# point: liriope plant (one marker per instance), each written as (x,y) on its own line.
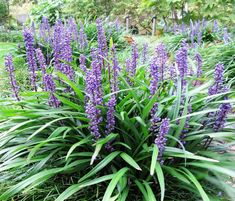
(112,130)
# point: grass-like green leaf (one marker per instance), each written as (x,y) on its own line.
(33,180)
(117,176)
(154,159)
(197,184)
(130,161)
(100,165)
(76,187)
(150,193)
(161,180)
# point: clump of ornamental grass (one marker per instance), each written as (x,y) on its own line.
(224,53)
(110,130)
(200,31)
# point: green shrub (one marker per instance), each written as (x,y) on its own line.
(11,36)
(51,152)
(3,10)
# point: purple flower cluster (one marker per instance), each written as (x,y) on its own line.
(215,26)
(128,70)
(226,36)
(113,88)
(48,82)
(198,59)
(93,113)
(182,63)
(196,30)
(32,65)
(94,94)
(225,108)
(161,59)
(115,70)
(62,50)
(117,25)
(183,28)
(217,87)
(82,38)
(67,56)
(41,61)
(82,61)
(33,29)
(57,43)
(144,53)
(154,128)
(221,116)
(72,28)
(172,71)
(45,30)
(10,69)
(134,58)
(51,88)
(110,114)
(102,43)
(192,32)
(161,139)
(154,77)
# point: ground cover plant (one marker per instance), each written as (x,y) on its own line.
(119,125)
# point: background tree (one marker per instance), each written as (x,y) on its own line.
(4,10)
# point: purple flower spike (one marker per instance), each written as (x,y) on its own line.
(144,53)
(154,77)
(45,30)
(134,58)
(72,27)
(32,65)
(192,32)
(172,71)
(82,61)
(51,88)
(94,94)
(82,38)
(215,26)
(161,139)
(128,70)
(115,70)
(198,59)
(161,59)
(199,37)
(182,63)
(217,87)
(226,36)
(113,88)
(57,43)
(33,29)
(102,43)
(154,128)
(10,69)
(110,115)
(41,61)
(67,56)
(93,113)
(221,116)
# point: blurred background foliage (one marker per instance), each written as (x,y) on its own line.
(140,11)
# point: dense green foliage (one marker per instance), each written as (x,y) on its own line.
(50,9)
(49,153)
(140,11)
(11,36)
(4,10)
